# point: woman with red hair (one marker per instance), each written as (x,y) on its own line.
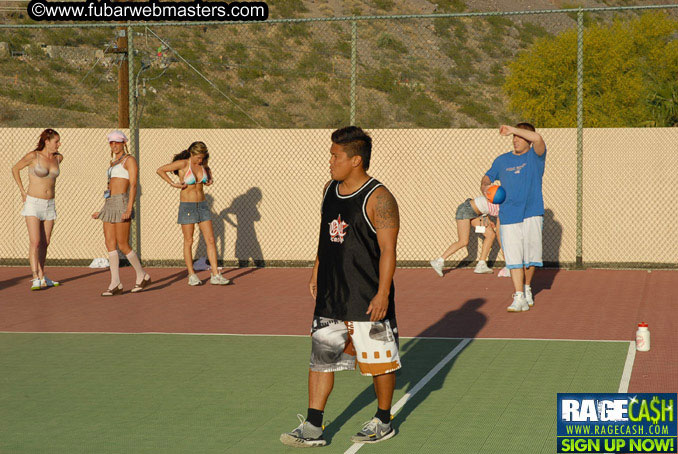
(39,209)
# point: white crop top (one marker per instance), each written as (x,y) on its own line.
(118,171)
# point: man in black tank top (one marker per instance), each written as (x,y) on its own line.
(352,283)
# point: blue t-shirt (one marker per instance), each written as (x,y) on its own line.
(521,177)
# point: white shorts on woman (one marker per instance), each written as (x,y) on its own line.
(43,209)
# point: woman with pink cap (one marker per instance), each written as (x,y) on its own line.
(118,211)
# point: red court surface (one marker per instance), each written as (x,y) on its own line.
(587,305)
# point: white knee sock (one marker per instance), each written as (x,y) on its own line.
(114,262)
(136,264)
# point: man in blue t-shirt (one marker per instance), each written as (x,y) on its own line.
(521,216)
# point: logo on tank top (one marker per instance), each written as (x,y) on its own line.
(338,230)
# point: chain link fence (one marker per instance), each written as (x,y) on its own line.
(432,91)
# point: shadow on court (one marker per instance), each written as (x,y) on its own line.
(167,280)
(416,360)
(80,276)
(245,209)
(240,273)
(7,283)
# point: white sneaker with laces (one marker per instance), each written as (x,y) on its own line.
(437,265)
(218,279)
(306,435)
(47,282)
(374,431)
(528,296)
(482,268)
(193,279)
(519,303)
(36,284)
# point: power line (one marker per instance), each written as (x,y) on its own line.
(204,78)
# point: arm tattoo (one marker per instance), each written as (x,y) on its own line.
(386,212)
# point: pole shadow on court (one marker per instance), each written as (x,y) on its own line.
(415,356)
(552,240)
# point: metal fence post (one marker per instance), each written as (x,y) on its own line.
(134,140)
(580,137)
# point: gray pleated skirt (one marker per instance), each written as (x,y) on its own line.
(114,207)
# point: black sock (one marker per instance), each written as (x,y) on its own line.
(384,415)
(315,417)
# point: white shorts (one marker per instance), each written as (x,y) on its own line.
(521,243)
(338,345)
(43,209)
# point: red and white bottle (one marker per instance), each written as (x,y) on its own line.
(643,337)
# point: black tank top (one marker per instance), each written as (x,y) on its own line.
(348,255)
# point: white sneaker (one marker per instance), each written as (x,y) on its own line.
(482,268)
(528,296)
(218,279)
(36,284)
(193,279)
(437,265)
(519,304)
(47,282)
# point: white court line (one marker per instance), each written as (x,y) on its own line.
(305,335)
(403,400)
(628,368)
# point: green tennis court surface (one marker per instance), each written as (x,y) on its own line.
(108,393)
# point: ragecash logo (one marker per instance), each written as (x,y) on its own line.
(338,230)
(613,423)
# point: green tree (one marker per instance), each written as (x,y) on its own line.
(630,74)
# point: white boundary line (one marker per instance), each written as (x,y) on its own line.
(403,400)
(628,368)
(304,335)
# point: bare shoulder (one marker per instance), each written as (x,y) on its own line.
(382,208)
(130,162)
(26,160)
(326,186)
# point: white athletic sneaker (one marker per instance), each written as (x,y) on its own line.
(36,284)
(47,282)
(528,296)
(374,431)
(519,304)
(193,279)
(218,279)
(437,265)
(482,268)
(306,435)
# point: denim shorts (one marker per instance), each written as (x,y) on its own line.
(465,211)
(194,212)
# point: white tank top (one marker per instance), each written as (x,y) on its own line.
(118,171)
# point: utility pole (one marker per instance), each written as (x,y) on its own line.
(123,77)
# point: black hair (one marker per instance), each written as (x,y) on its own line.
(526,125)
(355,142)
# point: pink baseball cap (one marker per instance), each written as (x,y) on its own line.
(117,136)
